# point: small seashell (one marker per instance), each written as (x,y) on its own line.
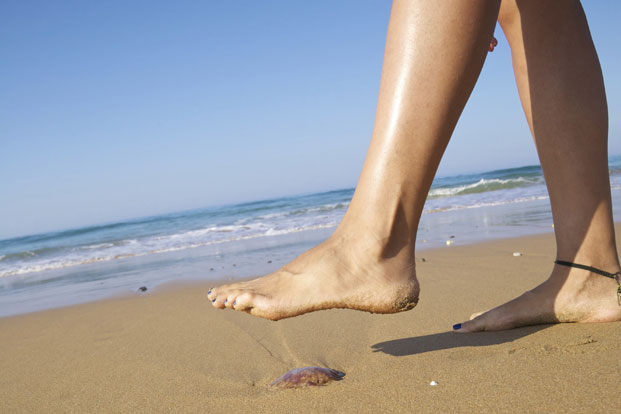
(433,383)
(307,376)
(449,242)
(142,288)
(517,254)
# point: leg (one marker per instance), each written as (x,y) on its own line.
(434,53)
(562,91)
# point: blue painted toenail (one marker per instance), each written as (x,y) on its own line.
(234,303)
(213,300)
(209,293)
(226,300)
(457,327)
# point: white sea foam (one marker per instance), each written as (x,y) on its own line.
(297,212)
(482,184)
(213,235)
(97,246)
(322,217)
(147,248)
(486,204)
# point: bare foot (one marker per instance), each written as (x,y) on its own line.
(338,273)
(569,295)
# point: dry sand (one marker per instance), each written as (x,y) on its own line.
(170,351)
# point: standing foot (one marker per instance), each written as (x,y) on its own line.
(338,273)
(569,295)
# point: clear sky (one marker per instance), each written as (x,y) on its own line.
(120,109)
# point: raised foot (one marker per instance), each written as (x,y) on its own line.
(332,275)
(569,295)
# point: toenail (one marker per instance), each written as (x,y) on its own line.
(234,303)
(209,293)
(457,327)
(213,300)
(226,300)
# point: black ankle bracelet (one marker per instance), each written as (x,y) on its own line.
(615,276)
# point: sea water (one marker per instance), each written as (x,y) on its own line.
(228,242)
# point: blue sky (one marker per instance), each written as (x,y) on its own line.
(120,109)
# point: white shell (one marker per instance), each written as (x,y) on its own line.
(433,383)
(449,242)
(517,254)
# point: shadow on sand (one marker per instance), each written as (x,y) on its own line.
(448,340)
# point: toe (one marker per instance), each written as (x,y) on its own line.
(245,301)
(211,296)
(231,299)
(497,319)
(223,296)
(478,322)
(218,301)
(473,325)
(214,293)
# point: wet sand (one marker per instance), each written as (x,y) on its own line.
(168,350)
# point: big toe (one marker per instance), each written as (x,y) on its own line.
(481,321)
(244,301)
(473,325)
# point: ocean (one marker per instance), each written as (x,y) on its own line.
(227,242)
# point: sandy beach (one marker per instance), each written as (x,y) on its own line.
(168,350)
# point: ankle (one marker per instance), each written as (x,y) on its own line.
(373,244)
(602,259)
